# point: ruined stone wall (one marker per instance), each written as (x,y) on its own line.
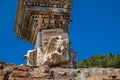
(14,72)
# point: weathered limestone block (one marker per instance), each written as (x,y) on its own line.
(31,57)
(19,74)
(22,74)
(45,23)
(17,78)
(1,77)
(54,47)
(118,76)
(20,68)
(55,51)
(40,72)
(94,78)
(11,78)
(3,72)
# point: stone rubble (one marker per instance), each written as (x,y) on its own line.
(23,72)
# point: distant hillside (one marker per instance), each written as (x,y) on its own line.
(103,61)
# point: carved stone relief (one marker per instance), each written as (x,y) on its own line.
(52,48)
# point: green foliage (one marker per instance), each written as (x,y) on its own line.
(103,61)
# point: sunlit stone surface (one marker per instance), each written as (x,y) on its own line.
(54,48)
(45,23)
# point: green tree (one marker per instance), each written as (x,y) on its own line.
(109,60)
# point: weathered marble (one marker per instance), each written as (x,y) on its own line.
(31,57)
(52,48)
(45,23)
(33,15)
(55,47)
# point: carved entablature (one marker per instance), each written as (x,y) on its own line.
(47,21)
(50,3)
(35,15)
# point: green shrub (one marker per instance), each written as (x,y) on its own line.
(101,60)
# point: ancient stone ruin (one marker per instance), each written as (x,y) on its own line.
(22,72)
(45,24)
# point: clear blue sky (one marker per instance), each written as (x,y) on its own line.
(95,29)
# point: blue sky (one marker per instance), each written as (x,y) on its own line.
(95,30)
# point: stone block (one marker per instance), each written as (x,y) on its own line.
(19,78)
(106,77)
(99,71)
(44,69)
(40,75)
(118,77)
(20,74)
(23,74)
(15,67)
(1,77)
(31,57)
(20,68)
(23,68)
(3,72)
(55,47)
(40,72)
(117,71)
(11,78)
(94,78)
(57,69)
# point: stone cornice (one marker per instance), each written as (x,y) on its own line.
(58,11)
